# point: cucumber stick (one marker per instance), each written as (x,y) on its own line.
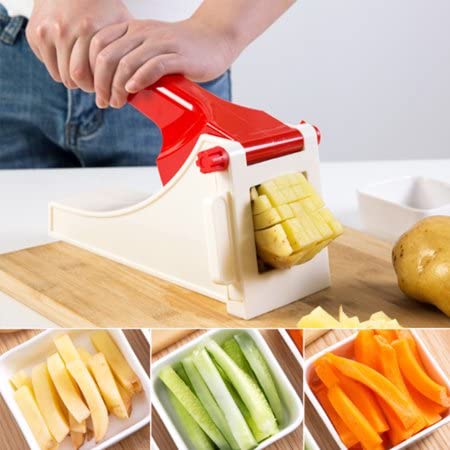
(262,371)
(233,350)
(193,405)
(189,426)
(248,390)
(218,389)
(200,388)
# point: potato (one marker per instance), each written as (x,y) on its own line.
(421,259)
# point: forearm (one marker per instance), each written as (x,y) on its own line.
(241,21)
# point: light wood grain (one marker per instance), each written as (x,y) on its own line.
(75,288)
(165,338)
(11,437)
(435,340)
(287,362)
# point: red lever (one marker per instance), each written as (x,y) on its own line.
(215,159)
(183,111)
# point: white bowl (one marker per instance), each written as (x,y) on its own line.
(308,438)
(289,397)
(39,348)
(344,348)
(292,347)
(391,207)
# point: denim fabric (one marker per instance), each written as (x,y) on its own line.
(42,124)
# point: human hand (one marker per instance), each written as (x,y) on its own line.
(60,31)
(147,50)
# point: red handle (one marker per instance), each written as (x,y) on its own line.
(183,110)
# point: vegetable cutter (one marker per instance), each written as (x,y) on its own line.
(197,231)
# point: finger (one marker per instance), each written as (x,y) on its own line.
(49,58)
(106,65)
(79,67)
(154,69)
(103,38)
(63,52)
(128,65)
(31,42)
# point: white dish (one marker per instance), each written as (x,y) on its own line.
(344,348)
(308,438)
(37,349)
(292,347)
(391,207)
(289,397)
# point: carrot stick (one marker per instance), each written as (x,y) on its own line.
(397,432)
(430,410)
(354,419)
(389,335)
(391,370)
(417,376)
(366,348)
(406,334)
(377,383)
(297,337)
(360,395)
(347,437)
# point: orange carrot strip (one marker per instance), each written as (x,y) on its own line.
(406,334)
(391,370)
(347,437)
(354,419)
(397,432)
(377,383)
(417,376)
(360,395)
(366,348)
(430,410)
(389,335)
(297,337)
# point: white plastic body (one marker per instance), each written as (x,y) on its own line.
(39,348)
(197,231)
(345,348)
(391,207)
(292,347)
(291,401)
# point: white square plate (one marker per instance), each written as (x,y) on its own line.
(39,348)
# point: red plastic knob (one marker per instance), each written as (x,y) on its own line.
(215,159)
(319,135)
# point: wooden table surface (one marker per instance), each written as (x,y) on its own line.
(435,340)
(11,437)
(287,362)
(75,288)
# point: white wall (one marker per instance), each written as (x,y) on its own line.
(373,75)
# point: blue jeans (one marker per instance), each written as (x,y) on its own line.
(43,124)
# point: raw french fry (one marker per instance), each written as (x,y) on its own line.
(66,388)
(27,404)
(84,354)
(99,368)
(86,383)
(77,439)
(75,426)
(103,342)
(20,379)
(48,402)
(127,397)
(66,348)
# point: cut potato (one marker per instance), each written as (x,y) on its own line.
(66,348)
(99,412)
(27,404)
(77,439)
(103,342)
(127,397)
(20,379)
(48,402)
(75,426)
(99,368)
(66,388)
(84,354)
(290,222)
(319,318)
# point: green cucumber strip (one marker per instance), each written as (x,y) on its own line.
(257,433)
(238,426)
(248,390)
(189,426)
(233,350)
(204,395)
(181,372)
(262,371)
(193,405)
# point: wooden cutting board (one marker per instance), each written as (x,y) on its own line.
(435,340)
(288,363)
(75,288)
(11,437)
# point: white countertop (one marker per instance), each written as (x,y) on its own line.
(25,194)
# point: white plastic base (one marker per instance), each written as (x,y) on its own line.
(197,232)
